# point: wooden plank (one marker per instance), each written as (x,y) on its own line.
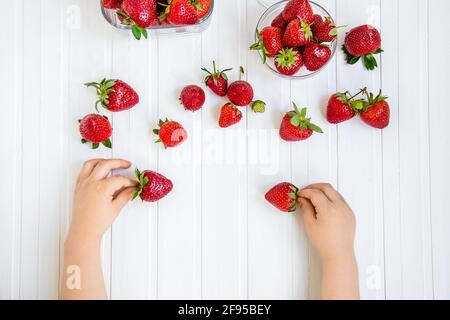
(440,140)
(414,152)
(135,232)
(391,151)
(179,222)
(10,123)
(269,231)
(224,209)
(360,170)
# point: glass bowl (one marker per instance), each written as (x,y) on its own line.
(112,18)
(266,19)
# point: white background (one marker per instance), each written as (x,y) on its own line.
(215,236)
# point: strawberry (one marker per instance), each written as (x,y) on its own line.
(217,81)
(96,129)
(202,7)
(114,95)
(283,197)
(240,92)
(153,186)
(289,61)
(112,4)
(363,41)
(170,133)
(315,56)
(298,9)
(270,42)
(259,106)
(324,31)
(139,14)
(377,112)
(193,98)
(342,108)
(279,22)
(297,34)
(296,127)
(180,12)
(229,115)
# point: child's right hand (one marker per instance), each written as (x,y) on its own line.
(329,222)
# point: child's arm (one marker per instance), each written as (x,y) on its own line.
(98,201)
(330,225)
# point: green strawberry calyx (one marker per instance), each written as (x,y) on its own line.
(306,27)
(104,89)
(372,99)
(287,58)
(143,181)
(259,45)
(357,105)
(216,74)
(138,32)
(299,119)
(156,131)
(294,196)
(370,62)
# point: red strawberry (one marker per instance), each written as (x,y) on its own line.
(139,14)
(377,112)
(315,56)
(217,81)
(296,126)
(363,41)
(289,61)
(180,12)
(270,42)
(112,4)
(279,22)
(202,7)
(283,197)
(297,34)
(193,98)
(229,115)
(324,31)
(115,95)
(300,9)
(240,92)
(341,107)
(170,133)
(96,129)
(153,186)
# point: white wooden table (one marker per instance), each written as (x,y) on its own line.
(215,236)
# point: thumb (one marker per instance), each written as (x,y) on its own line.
(124,197)
(309,213)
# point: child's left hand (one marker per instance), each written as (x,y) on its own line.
(99,199)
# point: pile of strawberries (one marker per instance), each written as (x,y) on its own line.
(297,38)
(143,14)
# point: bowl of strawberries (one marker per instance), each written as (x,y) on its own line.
(296,39)
(161,16)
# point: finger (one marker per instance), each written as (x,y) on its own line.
(317,198)
(116,183)
(123,198)
(327,189)
(309,213)
(87,168)
(104,167)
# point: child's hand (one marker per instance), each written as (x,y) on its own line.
(99,199)
(329,222)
